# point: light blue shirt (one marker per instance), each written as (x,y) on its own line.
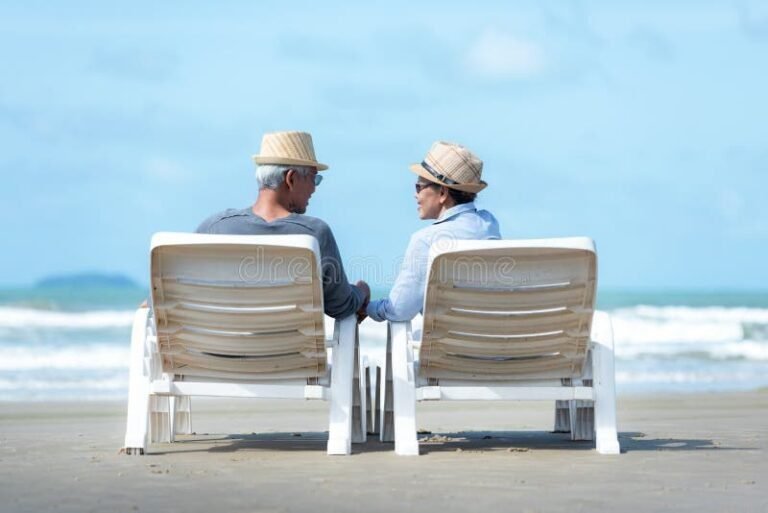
(406,298)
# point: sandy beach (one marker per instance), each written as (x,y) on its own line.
(679,453)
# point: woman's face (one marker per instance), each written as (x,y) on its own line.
(429,199)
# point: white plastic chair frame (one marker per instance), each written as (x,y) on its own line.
(506,320)
(238,316)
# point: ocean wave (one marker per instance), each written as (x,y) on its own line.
(740,350)
(115,383)
(691,377)
(11,317)
(64,388)
(81,357)
(69,341)
(656,332)
(688,313)
(679,324)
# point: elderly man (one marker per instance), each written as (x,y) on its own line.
(449,180)
(287,172)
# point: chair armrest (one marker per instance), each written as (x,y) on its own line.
(602,329)
(332,342)
(408,332)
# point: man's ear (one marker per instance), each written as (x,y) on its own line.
(290,178)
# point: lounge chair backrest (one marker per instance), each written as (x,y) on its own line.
(238,306)
(506,310)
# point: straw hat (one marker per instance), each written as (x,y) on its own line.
(452,165)
(288,148)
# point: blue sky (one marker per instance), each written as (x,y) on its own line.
(640,124)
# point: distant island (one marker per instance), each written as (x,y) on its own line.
(87,280)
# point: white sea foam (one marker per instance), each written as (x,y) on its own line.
(374,333)
(688,377)
(371,333)
(114,383)
(623,377)
(11,317)
(671,324)
(711,347)
(747,349)
(743,349)
(81,357)
(704,333)
(83,389)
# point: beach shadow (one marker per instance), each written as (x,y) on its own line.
(523,441)
(283,441)
(462,441)
(510,441)
(636,441)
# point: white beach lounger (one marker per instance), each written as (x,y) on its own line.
(238,316)
(506,320)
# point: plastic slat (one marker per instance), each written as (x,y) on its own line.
(508,324)
(177,362)
(528,319)
(530,348)
(258,307)
(526,299)
(245,321)
(542,367)
(173,290)
(255,345)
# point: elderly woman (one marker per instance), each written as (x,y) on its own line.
(449,180)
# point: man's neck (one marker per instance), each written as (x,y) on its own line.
(269,207)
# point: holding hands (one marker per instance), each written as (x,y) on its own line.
(361,315)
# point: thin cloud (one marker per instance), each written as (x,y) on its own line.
(742,219)
(145,65)
(165,170)
(498,55)
(731,205)
(652,44)
(753,19)
(571,21)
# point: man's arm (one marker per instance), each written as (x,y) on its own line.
(341,299)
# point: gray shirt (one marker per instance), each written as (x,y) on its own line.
(341,299)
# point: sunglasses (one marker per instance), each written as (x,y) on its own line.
(317,178)
(421,186)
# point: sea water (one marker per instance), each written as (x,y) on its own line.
(63,344)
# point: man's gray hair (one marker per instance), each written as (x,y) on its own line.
(270,176)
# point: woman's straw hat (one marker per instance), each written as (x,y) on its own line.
(288,148)
(452,165)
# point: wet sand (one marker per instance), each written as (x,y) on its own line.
(698,453)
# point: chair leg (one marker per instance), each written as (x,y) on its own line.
(181,415)
(137,423)
(366,377)
(582,415)
(404,388)
(374,398)
(562,417)
(606,438)
(387,400)
(359,401)
(160,430)
(342,376)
